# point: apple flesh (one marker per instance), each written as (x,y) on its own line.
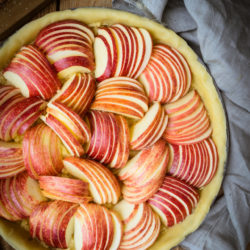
(69,126)
(141,225)
(77,93)
(19,195)
(66,189)
(188,121)
(11,159)
(167,76)
(149,129)
(144,173)
(53,223)
(196,164)
(103,185)
(68,46)
(31,72)
(174,201)
(42,152)
(121,95)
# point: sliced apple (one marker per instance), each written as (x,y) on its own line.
(167,76)
(121,95)
(188,120)
(66,189)
(144,173)
(42,152)
(68,46)
(149,129)
(103,185)
(30,71)
(77,93)
(174,201)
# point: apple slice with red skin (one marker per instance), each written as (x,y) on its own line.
(19,195)
(141,225)
(103,185)
(18,114)
(66,189)
(95,228)
(31,72)
(188,120)
(68,46)
(53,223)
(195,164)
(174,201)
(121,95)
(77,93)
(144,173)
(104,140)
(167,76)
(69,126)
(42,152)
(7,92)
(149,129)
(121,154)
(11,159)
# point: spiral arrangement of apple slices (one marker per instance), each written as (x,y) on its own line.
(122,145)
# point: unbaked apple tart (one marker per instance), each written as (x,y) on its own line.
(112,134)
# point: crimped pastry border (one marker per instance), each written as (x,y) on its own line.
(201,81)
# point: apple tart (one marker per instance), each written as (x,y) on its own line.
(113,135)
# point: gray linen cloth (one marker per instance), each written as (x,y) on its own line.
(219,32)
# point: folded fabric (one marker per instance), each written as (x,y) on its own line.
(219,32)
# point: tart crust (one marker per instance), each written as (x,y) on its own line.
(19,238)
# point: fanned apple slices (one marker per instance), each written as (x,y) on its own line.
(103,185)
(174,201)
(68,46)
(141,225)
(109,143)
(196,164)
(188,121)
(69,126)
(65,189)
(17,113)
(42,152)
(121,95)
(31,72)
(167,76)
(19,195)
(149,129)
(96,228)
(144,173)
(11,159)
(77,93)
(53,223)
(121,51)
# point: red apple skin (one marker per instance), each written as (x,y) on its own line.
(195,164)
(42,152)
(38,75)
(79,93)
(175,199)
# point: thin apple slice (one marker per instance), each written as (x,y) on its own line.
(118,231)
(174,201)
(66,189)
(103,185)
